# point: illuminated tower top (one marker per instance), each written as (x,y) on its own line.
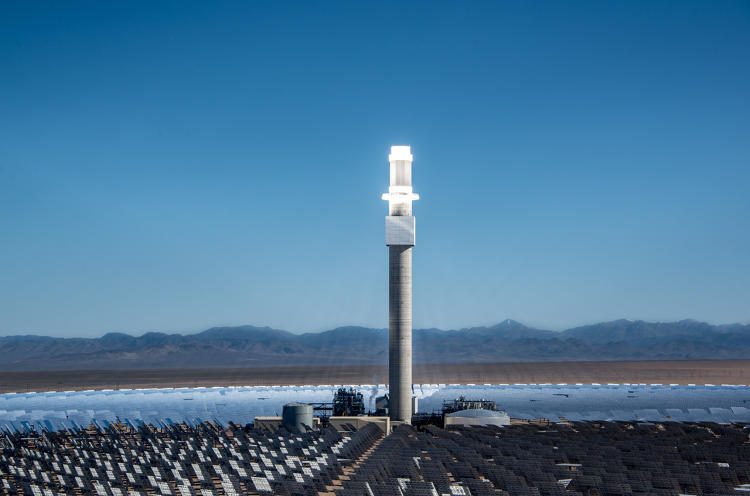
(400,194)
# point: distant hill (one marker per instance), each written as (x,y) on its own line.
(508,341)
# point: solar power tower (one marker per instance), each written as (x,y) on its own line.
(399,237)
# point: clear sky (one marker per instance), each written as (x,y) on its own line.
(178,165)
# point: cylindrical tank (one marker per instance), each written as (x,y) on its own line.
(296,416)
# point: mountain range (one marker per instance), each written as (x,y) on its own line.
(250,346)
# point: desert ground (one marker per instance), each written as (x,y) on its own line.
(664,372)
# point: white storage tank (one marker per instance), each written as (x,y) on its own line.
(477,417)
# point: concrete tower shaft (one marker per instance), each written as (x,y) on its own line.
(400,238)
(399,332)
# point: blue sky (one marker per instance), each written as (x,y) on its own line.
(175,165)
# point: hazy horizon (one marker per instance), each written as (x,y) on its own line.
(174,166)
(187,332)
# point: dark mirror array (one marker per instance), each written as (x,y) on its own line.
(577,458)
(180,460)
(586,458)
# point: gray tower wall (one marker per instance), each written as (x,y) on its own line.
(399,329)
